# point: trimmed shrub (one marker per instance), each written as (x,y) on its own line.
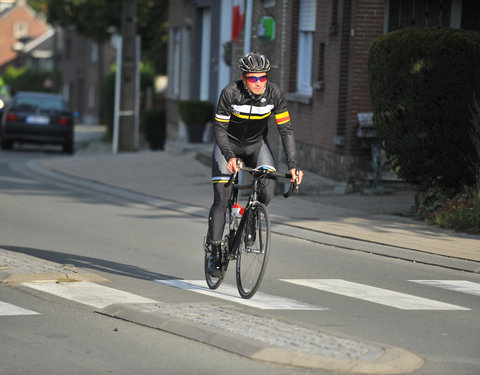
(195,111)
(154,127)
(423,83)
(27,79)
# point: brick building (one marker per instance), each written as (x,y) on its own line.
(319,53)
(84,66)
(20,31)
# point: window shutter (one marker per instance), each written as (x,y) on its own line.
(307,15)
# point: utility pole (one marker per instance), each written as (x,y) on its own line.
(127,139)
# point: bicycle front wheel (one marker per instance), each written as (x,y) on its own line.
(253,251)
(212,281)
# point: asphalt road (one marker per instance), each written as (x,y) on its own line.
(133,244)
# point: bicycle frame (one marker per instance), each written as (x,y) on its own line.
(257,238)
(258,176)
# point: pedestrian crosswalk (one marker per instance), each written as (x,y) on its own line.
(7,309)
(228,292)
(462,286)
(377,295)
(99,296)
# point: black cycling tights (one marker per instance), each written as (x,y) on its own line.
(220,202)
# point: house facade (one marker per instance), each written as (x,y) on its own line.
(84,66)
(319,52)
(22,35)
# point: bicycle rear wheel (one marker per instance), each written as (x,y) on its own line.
(253,251)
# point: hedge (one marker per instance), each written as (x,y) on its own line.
(423,83)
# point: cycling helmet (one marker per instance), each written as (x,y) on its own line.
(254,62)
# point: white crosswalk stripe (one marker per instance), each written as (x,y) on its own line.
(462,286)
(91,294)
(7,309)
(372,294)
(229,292)
(100,296)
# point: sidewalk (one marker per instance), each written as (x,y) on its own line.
(178,174)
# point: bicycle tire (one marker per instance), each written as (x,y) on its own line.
(252,257)
(212,281)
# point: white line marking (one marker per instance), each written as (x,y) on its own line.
(462,286)
(7,309)
(376,295)
(91,294)
(230,293)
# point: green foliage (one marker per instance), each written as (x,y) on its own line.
(153,27)
(26,79)
(99,19)
(460,213)
(38,5)
(147,80)
(154,127)
(422,84)
(96,19)
(195,111)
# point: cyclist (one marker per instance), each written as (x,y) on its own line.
(240,131)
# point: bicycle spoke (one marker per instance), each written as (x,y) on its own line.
(253,253)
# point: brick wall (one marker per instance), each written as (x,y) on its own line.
(7,23)
(366,27)
(326,129)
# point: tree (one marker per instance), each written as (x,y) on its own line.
(99,19)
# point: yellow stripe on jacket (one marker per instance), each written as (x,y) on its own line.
(282,118)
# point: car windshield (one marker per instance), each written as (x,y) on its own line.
(33,103)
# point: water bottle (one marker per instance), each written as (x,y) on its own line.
(237,212)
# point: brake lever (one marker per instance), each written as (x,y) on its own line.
(233,176)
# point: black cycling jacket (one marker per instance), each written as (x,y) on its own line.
(241,119)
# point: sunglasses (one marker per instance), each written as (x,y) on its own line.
(255,79)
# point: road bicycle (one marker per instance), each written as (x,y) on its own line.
(249,242)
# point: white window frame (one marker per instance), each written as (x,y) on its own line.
(91,96)
(94,52)
(20,29)
(176,62)
(306,34)
(205,59)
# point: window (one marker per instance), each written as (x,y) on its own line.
(20,30)
(66,92)
(91,97)
(306,31)
(176,62)
(420,13)
(94,52)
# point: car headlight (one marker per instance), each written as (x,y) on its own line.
(2,104)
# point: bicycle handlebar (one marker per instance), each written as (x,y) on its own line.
(268,173)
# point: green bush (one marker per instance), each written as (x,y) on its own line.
(195,111)
(154,127)
(27,79)
(423,83)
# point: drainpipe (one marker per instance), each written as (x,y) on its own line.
(248,27)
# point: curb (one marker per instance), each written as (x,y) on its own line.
(325,238)
(19,278)
(17,268)
(377,360)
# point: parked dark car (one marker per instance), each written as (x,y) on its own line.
(36,117)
